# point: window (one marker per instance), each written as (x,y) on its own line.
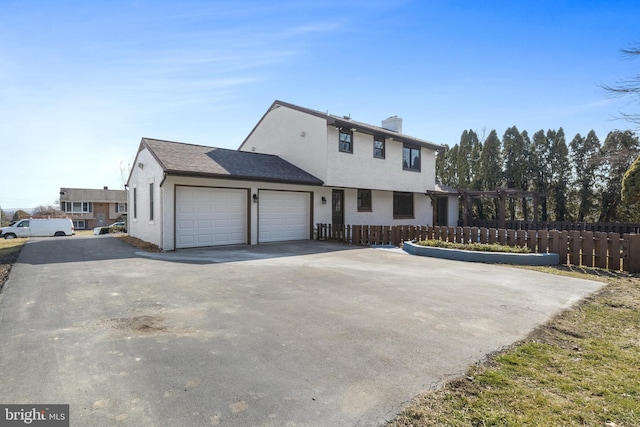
(364,200)
(151,202)
(346,141)
(411,158)
(121,207)
(79,224)
(402,205)
(78,207)
(135,203)
(378,147)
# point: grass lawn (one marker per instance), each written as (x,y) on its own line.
(582,368)
(9,250)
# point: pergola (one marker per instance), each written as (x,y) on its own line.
(502,194)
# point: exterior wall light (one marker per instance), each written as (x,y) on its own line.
(255,198)
(324,200)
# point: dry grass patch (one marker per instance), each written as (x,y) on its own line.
(582,368)
(138,243)
(9,250)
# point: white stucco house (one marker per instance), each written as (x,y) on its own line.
(296,168)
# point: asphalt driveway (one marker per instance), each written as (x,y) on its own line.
(300,334)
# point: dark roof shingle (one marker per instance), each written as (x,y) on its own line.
(199,160)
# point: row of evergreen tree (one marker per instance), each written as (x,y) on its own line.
(582,180)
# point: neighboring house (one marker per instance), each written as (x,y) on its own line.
(89,208)
(298,167)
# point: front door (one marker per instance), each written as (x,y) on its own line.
(100,222)
(441,211)
(337,207)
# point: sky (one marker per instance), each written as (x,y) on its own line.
(81,82)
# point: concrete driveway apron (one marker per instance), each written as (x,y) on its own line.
(303,334)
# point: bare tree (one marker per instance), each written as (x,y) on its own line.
(48,210)
(629,87)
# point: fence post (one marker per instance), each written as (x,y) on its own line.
(543,241)
(474,235)
(493,235)
(483,238)
(614,242)
(437,233)
(600,249)
(575,242)
(554,241)
(634,252)
(460,235)
(502,236)
(563,246)
(588,244)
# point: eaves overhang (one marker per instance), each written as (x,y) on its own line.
(387,134)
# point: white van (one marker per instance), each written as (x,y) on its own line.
(38,228)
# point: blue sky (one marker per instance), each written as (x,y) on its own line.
(81,82)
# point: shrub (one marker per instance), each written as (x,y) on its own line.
(481,247)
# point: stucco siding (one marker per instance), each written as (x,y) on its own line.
(294,136)
(360,169)
(382,209)
(140,223)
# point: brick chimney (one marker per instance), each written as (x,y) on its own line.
(393,123)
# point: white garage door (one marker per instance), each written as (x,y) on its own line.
(283,215)
(210,217)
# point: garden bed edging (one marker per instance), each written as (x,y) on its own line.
(478,256)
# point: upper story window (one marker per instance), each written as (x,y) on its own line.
(346,141)
(378,147)
(121,207)
(364,200)
(77,207)
(411,158)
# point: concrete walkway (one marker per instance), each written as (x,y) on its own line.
(308,333)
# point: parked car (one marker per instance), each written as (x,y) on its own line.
(39,228)
(110,228)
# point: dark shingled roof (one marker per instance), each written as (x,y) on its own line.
(349,123)
(177,158)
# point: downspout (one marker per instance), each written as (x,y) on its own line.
(161,187)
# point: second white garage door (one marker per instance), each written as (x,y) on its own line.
(210,216)
(283,215)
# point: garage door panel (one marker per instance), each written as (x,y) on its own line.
(283,215)
(210,216)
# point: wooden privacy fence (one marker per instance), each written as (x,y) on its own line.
(581,248)
(609,227)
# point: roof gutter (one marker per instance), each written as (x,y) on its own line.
(319,183)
